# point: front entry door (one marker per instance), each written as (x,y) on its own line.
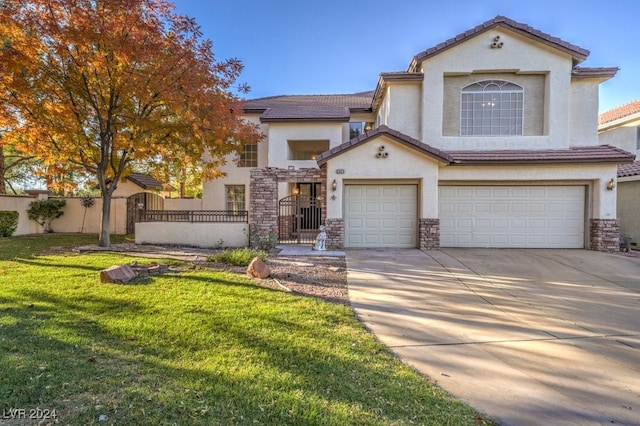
(300,215)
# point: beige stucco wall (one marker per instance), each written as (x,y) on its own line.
(601,206)
(583,112)
(193,234)
(72,219)
(404,108)
(629,209)
(360,164)
(127,188)
(519,55)
(534,102)
(624,137)
(213,193)
(281,133)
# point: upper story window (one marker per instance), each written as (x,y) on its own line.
(249,156)
(638,137)
(491,108)
(358,128)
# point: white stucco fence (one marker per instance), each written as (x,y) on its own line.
(204,234)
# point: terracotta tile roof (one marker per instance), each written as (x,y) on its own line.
(586,154)
(627,170)
(354,102)
(145,181)
(579,54)
(617,113)
(305,113)
(393,134)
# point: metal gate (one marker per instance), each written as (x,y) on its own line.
(299,219)
(138,202)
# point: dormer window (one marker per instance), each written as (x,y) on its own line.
(491,108)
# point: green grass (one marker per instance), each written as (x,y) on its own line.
(199,348)
(238,256)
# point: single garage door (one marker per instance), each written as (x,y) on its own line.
(512,216)
(380,216)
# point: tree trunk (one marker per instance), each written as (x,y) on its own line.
(3,188)
(105,237)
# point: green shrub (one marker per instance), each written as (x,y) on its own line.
(8,223)
(237,257)
(45,211)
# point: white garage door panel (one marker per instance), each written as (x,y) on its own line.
(512,216)
(381,215)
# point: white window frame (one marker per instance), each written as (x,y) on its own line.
(492,108)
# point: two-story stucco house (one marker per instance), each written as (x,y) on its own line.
(488,139)
(620,127)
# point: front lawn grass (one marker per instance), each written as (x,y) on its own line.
(199,347)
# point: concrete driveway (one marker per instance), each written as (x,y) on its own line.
(524,336)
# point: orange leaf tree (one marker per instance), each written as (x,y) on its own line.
(95,86)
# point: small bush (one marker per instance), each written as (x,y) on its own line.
(45,211)
(237,257)
(8,223)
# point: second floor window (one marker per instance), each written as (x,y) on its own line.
(358,128)
(491,108)
(249,156)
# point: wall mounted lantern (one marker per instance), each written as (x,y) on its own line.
(334,185)
(611,184)
(295,190)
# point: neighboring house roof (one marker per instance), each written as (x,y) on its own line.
(309,107)
(628,170)
(631,109)
(384,131)
(145,181)
(579,54)
(586,154)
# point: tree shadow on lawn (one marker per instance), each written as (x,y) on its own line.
(280,360)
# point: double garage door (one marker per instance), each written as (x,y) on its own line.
(470,216)
(512,216)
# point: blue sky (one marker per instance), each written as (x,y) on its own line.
(341,46)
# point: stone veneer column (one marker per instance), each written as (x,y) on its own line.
(605,235)
(429,234)
(335,234)
(263,208)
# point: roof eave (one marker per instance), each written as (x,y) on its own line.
(305,120)
(578,54)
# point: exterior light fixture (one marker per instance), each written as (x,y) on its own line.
(334,185)
(611,184)
(295,190)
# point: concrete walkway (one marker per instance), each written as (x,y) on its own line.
(525,336)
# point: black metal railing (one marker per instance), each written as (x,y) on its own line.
(193,216)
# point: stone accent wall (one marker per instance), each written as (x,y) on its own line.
(429,234)
(335,234)
(605,235)
(263,207)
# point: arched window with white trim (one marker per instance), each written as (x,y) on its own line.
(491,108)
